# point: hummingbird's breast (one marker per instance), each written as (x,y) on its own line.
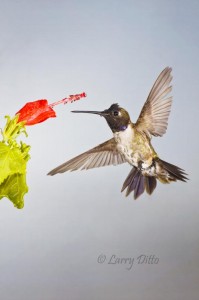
(135,146)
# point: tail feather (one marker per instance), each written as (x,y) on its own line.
(129,178)
(164,171)
(150,184)
(140,186)
(175,173)
(137,182)
(134,183)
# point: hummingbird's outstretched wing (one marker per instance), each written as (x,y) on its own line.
(103,155)
(155,112)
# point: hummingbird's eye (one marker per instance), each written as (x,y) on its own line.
(115,113)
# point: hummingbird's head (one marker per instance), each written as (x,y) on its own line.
(116,117)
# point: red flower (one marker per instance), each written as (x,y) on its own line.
(38,111)
(35,112)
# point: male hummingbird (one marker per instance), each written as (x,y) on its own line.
(131,142)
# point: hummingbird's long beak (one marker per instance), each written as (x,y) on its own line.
(101,113)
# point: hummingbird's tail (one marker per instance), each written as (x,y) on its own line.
(164,172)
(138,182)
(167,172)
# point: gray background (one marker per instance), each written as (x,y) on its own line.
(112,50)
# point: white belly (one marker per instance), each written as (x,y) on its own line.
(132,151)
(124,141)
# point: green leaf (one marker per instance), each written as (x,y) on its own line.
(13,129)
(11,161)
(14,188)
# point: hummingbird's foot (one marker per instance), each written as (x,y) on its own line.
(147,170)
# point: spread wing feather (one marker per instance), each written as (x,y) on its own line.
(103,155)
(153,119)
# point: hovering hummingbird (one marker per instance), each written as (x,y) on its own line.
(131,142)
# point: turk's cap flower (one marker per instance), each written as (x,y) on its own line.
(40,110)
(35,112)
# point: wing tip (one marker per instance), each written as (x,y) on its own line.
(168,69)
(51,173)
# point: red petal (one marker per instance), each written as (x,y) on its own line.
(35,112)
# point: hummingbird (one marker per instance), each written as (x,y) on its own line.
(131,142)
